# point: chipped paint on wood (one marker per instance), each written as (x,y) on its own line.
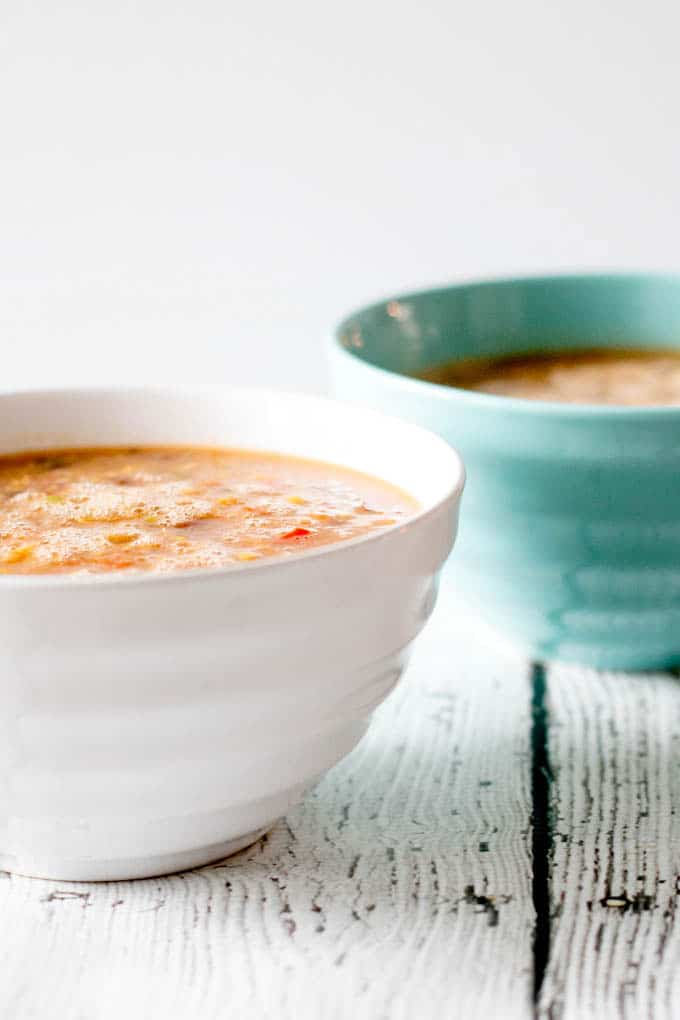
(614,743)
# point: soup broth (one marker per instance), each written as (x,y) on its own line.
(165,509)
(627,377)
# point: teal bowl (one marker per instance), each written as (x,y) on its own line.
(570,534)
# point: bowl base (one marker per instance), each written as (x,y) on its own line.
(74,870)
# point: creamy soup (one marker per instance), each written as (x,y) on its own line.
(176,508)
(587,376)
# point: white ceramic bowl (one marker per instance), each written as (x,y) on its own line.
(150,723)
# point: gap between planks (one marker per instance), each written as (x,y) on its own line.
(541,826)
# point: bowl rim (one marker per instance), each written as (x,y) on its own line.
(267,564)
(496,402)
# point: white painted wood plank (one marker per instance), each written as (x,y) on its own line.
(614,743)
(401,888)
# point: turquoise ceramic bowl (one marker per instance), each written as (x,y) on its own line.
(570,533)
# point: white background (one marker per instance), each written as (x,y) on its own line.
(199,190)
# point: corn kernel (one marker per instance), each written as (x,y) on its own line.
(18,555)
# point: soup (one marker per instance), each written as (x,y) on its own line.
(585,376)
(163,509)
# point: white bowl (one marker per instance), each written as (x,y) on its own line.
(150,723)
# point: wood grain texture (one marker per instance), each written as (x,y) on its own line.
(614,743)
(401,887)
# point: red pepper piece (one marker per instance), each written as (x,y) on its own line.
(296,533)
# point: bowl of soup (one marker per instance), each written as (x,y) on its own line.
(204,593)
(563,396)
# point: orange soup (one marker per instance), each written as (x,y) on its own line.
(161,509)
(600,375)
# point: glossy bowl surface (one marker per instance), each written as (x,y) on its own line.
(570,538)
(154,722)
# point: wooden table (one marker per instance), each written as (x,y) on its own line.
(504,843)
